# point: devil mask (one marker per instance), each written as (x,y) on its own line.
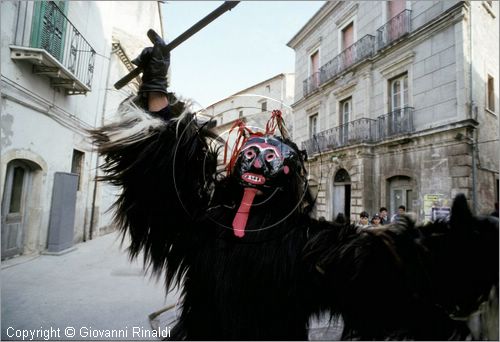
(261,163)
(264,163)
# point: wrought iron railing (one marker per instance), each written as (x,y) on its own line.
(52,31)
(354,132)
(362,130)
(394,29)
(355,53)
(397,122)
(311,83)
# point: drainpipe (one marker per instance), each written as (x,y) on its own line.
(94,194)
(471,103)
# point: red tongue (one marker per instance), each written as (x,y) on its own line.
(240,220)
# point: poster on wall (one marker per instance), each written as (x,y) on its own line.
(440,213)
(431,201)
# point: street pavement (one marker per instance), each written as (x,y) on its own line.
(93,287)
(90,292)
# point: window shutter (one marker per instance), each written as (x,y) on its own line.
(49,26)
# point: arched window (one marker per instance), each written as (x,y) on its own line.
(342,176)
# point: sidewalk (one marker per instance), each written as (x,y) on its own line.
(95,287)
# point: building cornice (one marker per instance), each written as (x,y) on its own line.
(346,15)
(316,19)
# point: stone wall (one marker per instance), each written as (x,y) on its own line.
(437,163)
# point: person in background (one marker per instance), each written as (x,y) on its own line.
(376,221)
(383,216)
(363,220)
(401,212)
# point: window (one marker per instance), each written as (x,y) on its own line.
(491,94)
(395,7)
(313,125)
(240,114)
(345,114)
(49,27)
(17,190)
(348,40)
(347,36)
(314,70)
(345,111)
(398,92)
(77,165)
(268,88)
(398,119)
(397,24)
(263,106)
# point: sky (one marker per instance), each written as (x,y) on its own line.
(241,48)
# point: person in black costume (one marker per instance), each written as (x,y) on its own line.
(252,263)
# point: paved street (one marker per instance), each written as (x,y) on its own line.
(92,289)
(94,286)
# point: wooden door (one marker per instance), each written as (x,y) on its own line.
(14,208)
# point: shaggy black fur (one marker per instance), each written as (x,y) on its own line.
(396,282)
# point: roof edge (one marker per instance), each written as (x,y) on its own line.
(283,74)
(320,14)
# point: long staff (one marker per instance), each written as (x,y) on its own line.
(226,6)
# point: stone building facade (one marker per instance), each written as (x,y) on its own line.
(59,63)
(397,104)
(254,106)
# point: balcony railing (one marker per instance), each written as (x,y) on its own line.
(362,130)
(394,29)
(354,132)
(56,48)
(397,122)
(311,83)
(355,53)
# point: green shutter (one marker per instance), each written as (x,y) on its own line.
(49,27)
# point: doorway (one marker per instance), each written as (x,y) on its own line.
(341,194)
(400,193)
(17,184)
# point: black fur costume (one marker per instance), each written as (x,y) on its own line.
(396,282)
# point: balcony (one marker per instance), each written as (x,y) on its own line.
(394,29)
(354,132)
(393,124)
(354,54)
(49,41)
(311,83)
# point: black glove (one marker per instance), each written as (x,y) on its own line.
(155,62)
